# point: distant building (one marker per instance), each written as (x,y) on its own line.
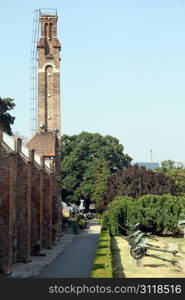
(147,165)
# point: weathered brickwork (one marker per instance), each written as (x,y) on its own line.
(30,195)
(48,48)
(7,210)
(30,215)
(56,219)
(23,209)
(36,225)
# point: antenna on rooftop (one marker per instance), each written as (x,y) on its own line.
(151,154)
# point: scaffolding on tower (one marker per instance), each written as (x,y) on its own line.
(33,67)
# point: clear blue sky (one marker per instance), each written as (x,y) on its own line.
(122,70)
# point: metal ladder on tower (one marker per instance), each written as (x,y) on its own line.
(33,74)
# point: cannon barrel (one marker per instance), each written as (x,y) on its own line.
(164,259)
(161,250)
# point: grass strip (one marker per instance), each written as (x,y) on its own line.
(102,265)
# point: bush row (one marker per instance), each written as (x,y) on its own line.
(155,213)
(102,265)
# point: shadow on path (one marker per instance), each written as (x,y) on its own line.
(118,270)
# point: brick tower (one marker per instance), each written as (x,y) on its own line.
(48,48)
(46,141)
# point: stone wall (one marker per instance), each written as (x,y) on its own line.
(30,214)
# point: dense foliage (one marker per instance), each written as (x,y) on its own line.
(171,164)
(119,213)
(87,160)
(155,213)
(6,120)
(135,182)
(160,214)
(175,171)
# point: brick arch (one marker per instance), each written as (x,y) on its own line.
(49,63)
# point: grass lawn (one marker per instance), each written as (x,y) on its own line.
(148,267)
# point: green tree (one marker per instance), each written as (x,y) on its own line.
(6,120)
(176,172)
(135,182)
(87,160)
(178,175)
(99,173)
(167,164)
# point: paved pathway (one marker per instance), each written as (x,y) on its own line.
(60,260)
(38,263)
(78,256)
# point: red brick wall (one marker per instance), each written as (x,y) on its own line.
(47,211)
(23,210)
(36,210)
(56,211)
(7,210)
(30,216)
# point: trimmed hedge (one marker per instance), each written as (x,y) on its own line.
(102,265)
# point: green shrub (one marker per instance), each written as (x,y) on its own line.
(82,224)
(159,213)
(155,213)
(119,213)
(105,221)
(102,265)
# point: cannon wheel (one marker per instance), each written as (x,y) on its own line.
(137,252)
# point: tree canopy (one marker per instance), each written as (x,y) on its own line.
(169,164)
(176,172)
(134,182)
(6,120)
(87,160)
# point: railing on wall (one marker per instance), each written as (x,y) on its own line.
(47,164)
(25,151)
(9,141)
(37,159)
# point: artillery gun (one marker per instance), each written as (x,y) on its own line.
(139,245)
(181,225)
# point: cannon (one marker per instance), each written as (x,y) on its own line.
(140,245)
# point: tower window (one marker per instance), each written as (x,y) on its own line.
(46,30)
(50,30)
